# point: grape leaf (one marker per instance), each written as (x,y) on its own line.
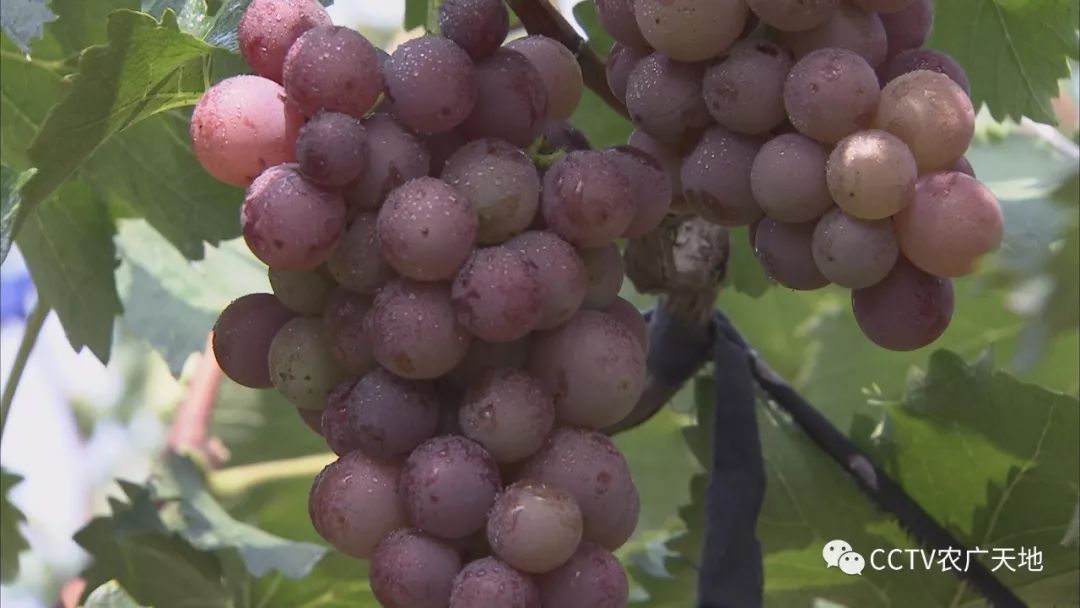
(29,88)
(147,67)
(208,527)
(68,246)
(82,23)
(171,544)
(10,519)
(1014,52)
(24,20)
(416,14)
(150,170)
(157,283)
(110,595)
(10,199)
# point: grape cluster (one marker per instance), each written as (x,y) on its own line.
(826,128)
(445,308)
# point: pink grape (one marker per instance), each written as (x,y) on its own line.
(396,157)
(560,271)
(441,146)
(448,484)
(356,263)
(562,135)
(690,30)
(426,229)
(431,83)
(509,412)
(497,294)
(242,337)
(909,27)
(882,6)
(618,19)
(354,502)
(716,178)
(343,322)
(269,27)
(788,178)
(311,419)
(605,270)
(793,15)
(413,330)
(830,94)
(871,174)
(744,87)
(649,185)
(241,126)
(629,315)
(594,368)
(926,59)
(484,356)
(664,98)
(502,184)
(593,578)
(534,527)
(588,466)
(852,252)
(512,102)
(620,62)
(668,157)
(908,310)
(301,366)
(785,252)
(334,419)
(616,531)
(289,222)
(389,416)
(332,149)
(413,570)
(849,28)
(332,68)
(558,69)
(952,222)
(478,26)
(491,583)
(587,199)
(931,114)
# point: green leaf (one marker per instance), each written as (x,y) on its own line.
(10,199)
(150,171)
(68,246)
(172,303)
(1014,52)
(24,20)
(209,527)
(586,16)
(10,519)
(416,14)
(995,459)
(110,595)
(83,23)
(29,88)
(147,67)
(153,565)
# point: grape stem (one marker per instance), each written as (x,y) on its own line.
(874,482)
(540,17)
(30,335)
(190,430)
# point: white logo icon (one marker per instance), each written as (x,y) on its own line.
(840,554)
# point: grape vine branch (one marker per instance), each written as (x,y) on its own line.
(685,263)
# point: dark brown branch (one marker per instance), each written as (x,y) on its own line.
(539,17)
